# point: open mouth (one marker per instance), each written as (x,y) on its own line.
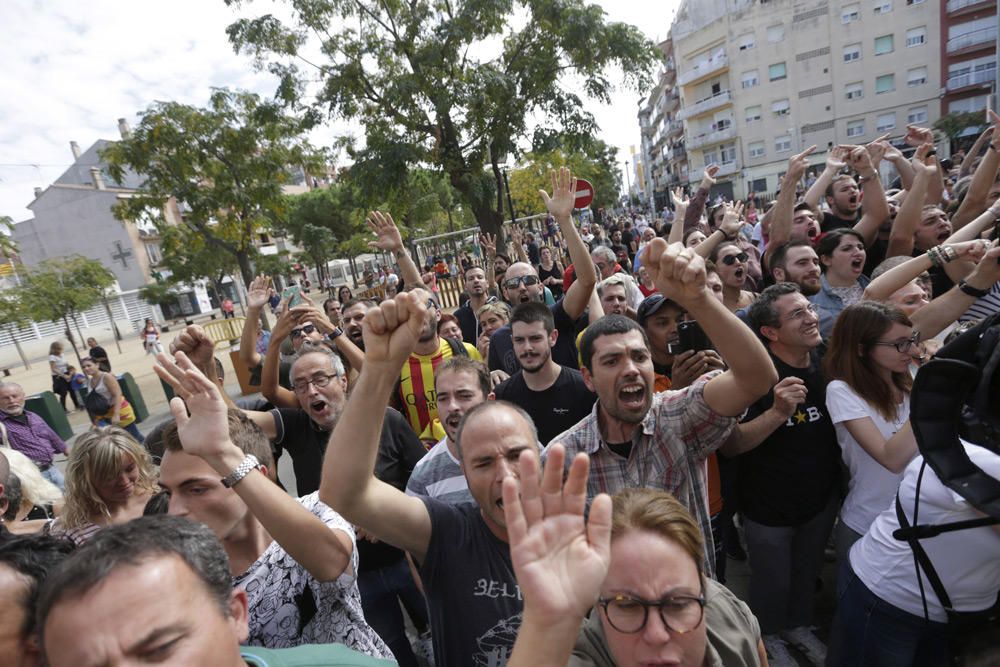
(812,232)
(318,406)
(853,200)
(943,236)
(452,421)
(739,273)
(632,396)
(858,263)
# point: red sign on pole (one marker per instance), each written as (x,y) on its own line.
(584,193)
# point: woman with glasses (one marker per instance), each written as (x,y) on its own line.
(640,558)
(868,401)
(731,264)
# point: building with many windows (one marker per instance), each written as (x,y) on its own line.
(759,80)
(968,54)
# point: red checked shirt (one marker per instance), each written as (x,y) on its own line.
(669,452)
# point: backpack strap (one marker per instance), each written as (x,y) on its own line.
(924,560)
(457,348)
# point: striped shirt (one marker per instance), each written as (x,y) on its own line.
(669,452)
(36,439)
(984,306)
(439,475)
(417,396)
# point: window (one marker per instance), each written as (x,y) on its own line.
(850,13)
(728,153)
(914,2)
(885,83)
(780,107)
(783,144)
(852,52)
(885,122)
(855,128)
(749,79)
(752,114)
(916,76)
(883,7)
(756,149)
(919,114)
(916,36)
(966,105)
(854,91)
(775,33)
(746,41)
(153,253)
(883,45)
(776,72)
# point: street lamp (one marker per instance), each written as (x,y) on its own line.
(628,179)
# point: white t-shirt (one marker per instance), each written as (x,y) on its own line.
(967,561)
(871,486)
(60,363)
(281,592)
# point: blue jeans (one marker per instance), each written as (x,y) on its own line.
(382,591)
(55,476)
(868,631)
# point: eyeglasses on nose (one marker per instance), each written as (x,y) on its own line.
(319,382)
(628,614)
(729,260)
(303,331)
(902,346)
(514,283)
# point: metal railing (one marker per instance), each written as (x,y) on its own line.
(703,68)
(955,5)
(981,36)
(971,79)
(709,138)
(701,106)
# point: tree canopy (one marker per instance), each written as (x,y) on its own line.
(598,166)
(451,85)
(224,164)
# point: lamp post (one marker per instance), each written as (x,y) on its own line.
(628,179)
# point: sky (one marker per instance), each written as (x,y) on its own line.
(71,69)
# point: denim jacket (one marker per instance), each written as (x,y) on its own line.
(828,305)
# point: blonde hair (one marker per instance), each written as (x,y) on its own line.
(660,513)
(498,308)
(35,489)
(97,457)
(56,348)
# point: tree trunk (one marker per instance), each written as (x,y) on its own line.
(114,325)
(69,336)
(12,330)
(246,267)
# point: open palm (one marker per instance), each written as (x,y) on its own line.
(198,408)
(560,204)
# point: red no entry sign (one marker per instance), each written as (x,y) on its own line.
(584,193)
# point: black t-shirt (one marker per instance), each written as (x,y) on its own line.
(831,221)
(554,272)
(554,410)
(534,257)
(472,595)
(564,352)
(468,323)
(789,478)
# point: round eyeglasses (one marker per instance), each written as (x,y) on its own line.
(628,614)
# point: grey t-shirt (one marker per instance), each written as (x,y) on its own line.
(439,475)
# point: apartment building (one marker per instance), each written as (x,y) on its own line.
(759,80)
(662,132)
(968,40)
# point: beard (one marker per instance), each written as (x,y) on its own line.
(536,362)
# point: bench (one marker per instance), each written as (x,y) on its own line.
(225,332)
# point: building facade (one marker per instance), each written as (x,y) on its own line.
(968,47)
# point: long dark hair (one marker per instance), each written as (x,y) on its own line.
(827,243)
(855,333)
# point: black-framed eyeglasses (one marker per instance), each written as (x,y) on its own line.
(514,283)
(729,260)
(319,381)
(303,331)
(680,614)
(902,346)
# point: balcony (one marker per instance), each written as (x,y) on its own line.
(703,69)
(720,99)
(725,169)
(976,38)
(676,152)
(710,138)
(958,5)
(671,100)
(674,128)
(981,78)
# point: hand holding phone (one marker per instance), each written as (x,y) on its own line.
(690,336)
(292,295)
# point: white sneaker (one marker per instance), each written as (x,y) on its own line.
(804,640)
(777,654)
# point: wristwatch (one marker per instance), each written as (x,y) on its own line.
(242,470)
(972,291)
(336,333)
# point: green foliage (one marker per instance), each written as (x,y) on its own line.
(7,246)
(952,124)
(450,85)
(274,265)
(60,288)
(598,167)
(190,257)
(225,164)
(158,293)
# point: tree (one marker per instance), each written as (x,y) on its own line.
(450,84)
(532,175)
(8,249)
(190,257)
(319,219)
(61,288)
(13,316)
(224,164)
(952,124)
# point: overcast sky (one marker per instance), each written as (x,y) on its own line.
(71,69)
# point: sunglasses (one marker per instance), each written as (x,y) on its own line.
(303,331)
(729,260)
(514,283)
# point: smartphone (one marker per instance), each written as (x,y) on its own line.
(690,337)
(292,295)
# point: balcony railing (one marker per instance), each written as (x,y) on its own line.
(718,62)
(675,127)
(955,5)
(709,138)
(971,79)
(721,98)
(981,36)
(725,169)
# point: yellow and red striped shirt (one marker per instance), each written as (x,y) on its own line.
(416,384)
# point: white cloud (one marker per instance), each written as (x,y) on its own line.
(71,69)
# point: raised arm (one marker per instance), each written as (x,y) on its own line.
(834,163)
(895,156)
(679,274)
(729,230)
(974,151)
(908,216)
(388,238)
(933,318)
(982,180)
(696,206)
(560,205)
(258,294)
(488,243)
(200,350)
(325,553)
(875,208)
(560,557)
(348,484)
(680,210)
(269,387)
(517,239)
(779,218)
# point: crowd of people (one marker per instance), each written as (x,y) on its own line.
(614,411)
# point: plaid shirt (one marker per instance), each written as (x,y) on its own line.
(36,439)
(668,453)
